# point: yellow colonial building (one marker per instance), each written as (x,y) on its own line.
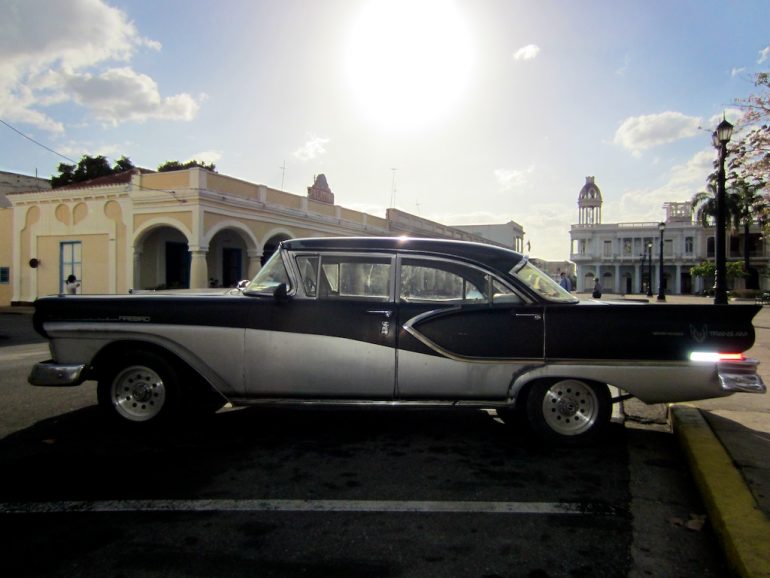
(191,228)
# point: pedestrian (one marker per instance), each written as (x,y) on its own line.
(597,290)
(72,284)
(565,282)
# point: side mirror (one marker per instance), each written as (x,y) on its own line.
(281,294)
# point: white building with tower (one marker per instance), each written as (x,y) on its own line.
(625,257)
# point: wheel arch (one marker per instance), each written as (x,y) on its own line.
(522,384)
(184,363)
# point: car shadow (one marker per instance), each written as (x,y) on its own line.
(343,453)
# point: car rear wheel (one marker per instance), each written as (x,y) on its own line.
(140,388)
(568,411)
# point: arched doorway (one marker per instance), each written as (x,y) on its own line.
(227,259)
(272,244)
(163,259)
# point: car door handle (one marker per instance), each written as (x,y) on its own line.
(384,312)
(535,316)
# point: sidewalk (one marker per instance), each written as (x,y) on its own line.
(727,445)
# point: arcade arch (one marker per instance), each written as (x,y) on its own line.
(162,257)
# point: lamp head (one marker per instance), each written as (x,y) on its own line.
(724,131)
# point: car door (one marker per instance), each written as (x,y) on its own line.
(334,338)
(462,332)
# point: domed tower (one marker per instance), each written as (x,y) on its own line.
(590,203)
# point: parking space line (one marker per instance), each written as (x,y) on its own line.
(356,506)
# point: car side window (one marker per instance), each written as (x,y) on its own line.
(308,272)
(502,294)
(364,277)
(439,281)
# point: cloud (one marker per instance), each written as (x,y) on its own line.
(623,69)
(65,51)
(736,71)
(207,157)
(646,204)
(528,52)
(508,179)
(638,133)
(313,148)
(764,54)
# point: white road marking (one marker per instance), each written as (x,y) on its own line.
(536,508)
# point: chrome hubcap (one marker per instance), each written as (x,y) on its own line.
(570,407)
(138,393)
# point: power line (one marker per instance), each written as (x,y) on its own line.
(29,138)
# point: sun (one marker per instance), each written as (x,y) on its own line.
(408,61)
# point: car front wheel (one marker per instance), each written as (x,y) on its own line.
(139,388)
(568,411)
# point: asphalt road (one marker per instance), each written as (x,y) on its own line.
(269,492)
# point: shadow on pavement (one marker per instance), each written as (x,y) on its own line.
(748,449)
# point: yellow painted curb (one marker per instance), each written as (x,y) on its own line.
(741,527)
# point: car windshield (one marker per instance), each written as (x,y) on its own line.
(542,283)
(269,277)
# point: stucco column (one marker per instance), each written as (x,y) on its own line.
(678,279)
(137,272)
(255,263)
(199,270)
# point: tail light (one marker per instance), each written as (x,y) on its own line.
(716,357)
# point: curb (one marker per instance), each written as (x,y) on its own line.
(740,526)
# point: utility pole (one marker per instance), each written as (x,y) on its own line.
(393,190)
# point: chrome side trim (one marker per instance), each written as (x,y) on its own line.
(408,326)
(50,374)
(345,402)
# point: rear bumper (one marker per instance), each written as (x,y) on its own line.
(48,373)
(740,377)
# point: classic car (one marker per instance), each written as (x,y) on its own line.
(395,322)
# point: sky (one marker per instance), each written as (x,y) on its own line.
(459,111)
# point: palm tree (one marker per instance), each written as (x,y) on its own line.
(749,205)
(743,205)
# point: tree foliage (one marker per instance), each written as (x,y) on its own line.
(707,269)
(750,154)
(177,166)
(88,168)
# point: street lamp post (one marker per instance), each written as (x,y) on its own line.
(649,269)
(720,138)
(661,287)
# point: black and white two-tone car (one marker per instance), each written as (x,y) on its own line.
(395,321)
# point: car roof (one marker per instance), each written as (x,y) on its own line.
(498,258)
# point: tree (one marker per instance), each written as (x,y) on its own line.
(65,176)
(748,205)
(744,204)
(750,155)
(88,168)
(123,164)
(707,270)
(177,166)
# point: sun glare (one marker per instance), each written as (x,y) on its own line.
(408,61)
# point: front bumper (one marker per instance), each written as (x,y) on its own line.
(48,373)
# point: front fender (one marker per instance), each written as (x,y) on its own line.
(214,353)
